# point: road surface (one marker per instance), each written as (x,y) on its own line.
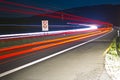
(83,63)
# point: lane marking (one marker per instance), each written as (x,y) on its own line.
(50,56)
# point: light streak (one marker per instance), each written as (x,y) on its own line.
(91,26)
(50,45)
(42,42)
(22,35)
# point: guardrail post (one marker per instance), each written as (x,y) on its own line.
(118,42)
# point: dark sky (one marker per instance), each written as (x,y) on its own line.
(55,4)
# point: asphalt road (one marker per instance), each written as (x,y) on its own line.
(83,63)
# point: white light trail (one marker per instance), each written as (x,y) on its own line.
(22,35)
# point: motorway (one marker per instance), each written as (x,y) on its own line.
(67,66)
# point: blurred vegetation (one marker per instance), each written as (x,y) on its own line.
(118,45)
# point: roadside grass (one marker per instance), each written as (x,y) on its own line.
(112,50)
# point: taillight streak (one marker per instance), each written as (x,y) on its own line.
(50,45)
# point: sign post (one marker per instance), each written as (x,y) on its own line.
(118,33)
(45,26)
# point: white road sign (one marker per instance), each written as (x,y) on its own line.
(45,25)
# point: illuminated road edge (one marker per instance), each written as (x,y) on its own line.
(47,57)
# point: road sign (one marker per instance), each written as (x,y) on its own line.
(45,25)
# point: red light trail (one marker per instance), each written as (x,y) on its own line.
(50,43)
(5,9)
(38,43)
(59,14)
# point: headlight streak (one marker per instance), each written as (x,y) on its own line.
(91,26)
(22,35)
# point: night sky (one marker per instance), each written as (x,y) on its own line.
(54,5)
